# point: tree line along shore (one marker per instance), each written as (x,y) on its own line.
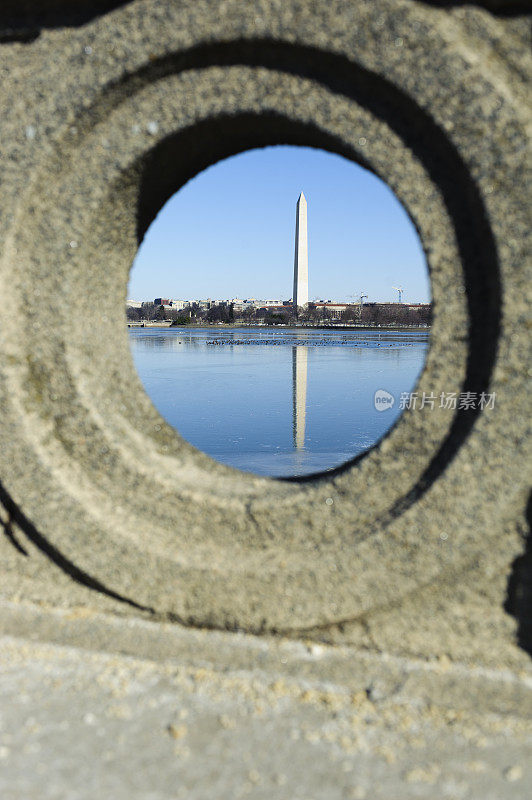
(368,314)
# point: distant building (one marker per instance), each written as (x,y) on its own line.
(243,305)
(335,308)
(205,304)
(133,304)
(179,305)
(275,307)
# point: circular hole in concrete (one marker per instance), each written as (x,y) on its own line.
(215,335)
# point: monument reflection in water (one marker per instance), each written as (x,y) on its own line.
(279,402)
(299,395)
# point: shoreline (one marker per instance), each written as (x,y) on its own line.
(224,325)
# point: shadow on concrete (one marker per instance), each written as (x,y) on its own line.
(519,599)
(23,20)
(16,517)
(503,8)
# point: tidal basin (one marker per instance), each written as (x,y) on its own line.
(278,402)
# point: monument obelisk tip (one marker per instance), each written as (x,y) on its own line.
(300,296)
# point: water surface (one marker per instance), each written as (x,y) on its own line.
(277,402)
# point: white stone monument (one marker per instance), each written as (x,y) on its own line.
(300,295)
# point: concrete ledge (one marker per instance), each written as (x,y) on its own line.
(129,709)
(439,682)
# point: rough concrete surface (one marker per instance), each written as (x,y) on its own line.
(125,708)
(419,551)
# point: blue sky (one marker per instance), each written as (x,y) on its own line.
(229,232)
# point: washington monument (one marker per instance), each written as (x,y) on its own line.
(300,295)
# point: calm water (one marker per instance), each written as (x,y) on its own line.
(277,402)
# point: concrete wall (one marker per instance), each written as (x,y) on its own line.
(419,547)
